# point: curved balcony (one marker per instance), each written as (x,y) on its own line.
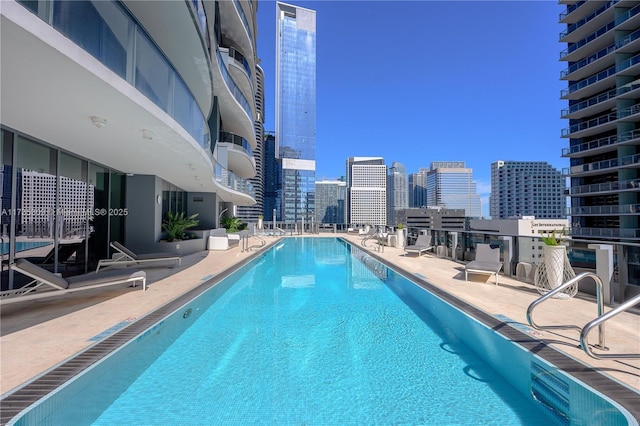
(238,71)
(231,188)
(235,26)
(239,154)
(601,167)
(579,29)
(605,188)
(612,210)
(235,109)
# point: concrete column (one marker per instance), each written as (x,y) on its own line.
(508,255)
(604,269)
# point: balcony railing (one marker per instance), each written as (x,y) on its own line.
(627,15)
(575,46)
(616,209)
(228,179)
(571,8)
(237,140)
(606,232)
(603,165)
(588,60)
(605,187)
(233,87)
(587,18)
(243,17)
(589,81)
(598,121)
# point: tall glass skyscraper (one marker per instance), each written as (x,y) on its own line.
(450,185)
(296,110)
(397,193)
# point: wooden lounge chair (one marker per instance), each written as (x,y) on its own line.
(422,244)
(46,284)
(487,262)
(125,257)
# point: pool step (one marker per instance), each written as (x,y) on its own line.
(551,391)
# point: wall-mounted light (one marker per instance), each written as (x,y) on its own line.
(99,122)
(147,134)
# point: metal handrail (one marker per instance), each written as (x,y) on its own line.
(553,292)
(584,342)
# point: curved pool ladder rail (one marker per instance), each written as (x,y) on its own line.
(598,321)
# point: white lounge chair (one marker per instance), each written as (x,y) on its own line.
(487,262)
(46,284)
(124,256)
(422,244)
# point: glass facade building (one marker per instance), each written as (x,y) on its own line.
(450,185)
(398,194)
(331,201)
(296,110)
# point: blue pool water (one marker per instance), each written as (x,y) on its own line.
(316,333)
(24,245)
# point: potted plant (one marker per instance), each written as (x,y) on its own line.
(175,224)
(554,254)
(400,236)
(233,224)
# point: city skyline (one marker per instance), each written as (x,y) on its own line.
(416,92)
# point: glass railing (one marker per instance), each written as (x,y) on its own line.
(243,17)
(575,46)
(605,210)
(201,17)
(589,81)
(233,87)
(611,94)
(571,8)
(606,232)
(611,140)
(113,37)
(228,179)
(605,187)
(587,18)
(237,140)
(628,63)
(588,60)
(627,39)
(598,121)
(627,15)
(603,165)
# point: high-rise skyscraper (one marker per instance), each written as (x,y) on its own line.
(603,137)
(366,191)
(418,188)
(331,201)
(397,193)
(296,110)
(272,177)
(450,185)
(527,188)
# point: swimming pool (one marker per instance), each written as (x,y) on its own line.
(25,245)
(316,331)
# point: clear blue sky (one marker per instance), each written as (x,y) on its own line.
(423,81)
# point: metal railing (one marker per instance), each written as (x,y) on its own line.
(553,292)
(584,341)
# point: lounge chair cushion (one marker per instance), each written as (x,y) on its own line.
(41,272)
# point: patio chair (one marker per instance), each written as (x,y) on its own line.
(46,284)
(422,244)
(125,257)
(487,261)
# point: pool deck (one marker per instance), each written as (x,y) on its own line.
(38,335)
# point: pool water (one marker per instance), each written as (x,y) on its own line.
(311,336)
(315,331)
(25,245)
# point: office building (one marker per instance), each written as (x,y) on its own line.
(296,110)
(602,140)
(418,188)
(366,191)
(331,202)
(272,175)
(135,109)
(450,185)
(397,191)
(527,188)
